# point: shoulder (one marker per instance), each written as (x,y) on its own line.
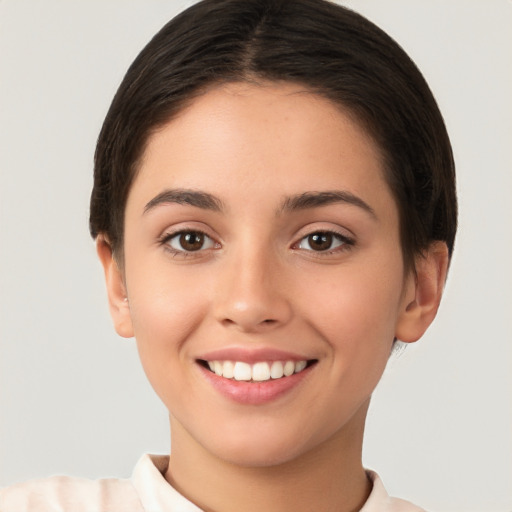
(62,493)
(380,501)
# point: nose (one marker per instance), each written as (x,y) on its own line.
(252,295)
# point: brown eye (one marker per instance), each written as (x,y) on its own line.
(320,241)
(190,241)
(323,241)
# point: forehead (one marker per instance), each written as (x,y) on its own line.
(277,137)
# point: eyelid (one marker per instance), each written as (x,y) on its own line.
(339,233)
(185,227)
(338,241)
(206,239)
(348,241)
(172,232)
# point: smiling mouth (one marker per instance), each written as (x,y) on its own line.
(258,372)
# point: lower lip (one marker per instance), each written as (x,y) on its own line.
(254,393)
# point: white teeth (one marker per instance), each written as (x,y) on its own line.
(217,368)
(261,371)
(242,371)
(276,370)
(289,368)
(258,372)
(300,365)
(228,369)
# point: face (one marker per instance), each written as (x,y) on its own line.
(263,270)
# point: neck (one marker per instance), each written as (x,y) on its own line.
(330,476)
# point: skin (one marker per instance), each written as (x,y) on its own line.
(258,284)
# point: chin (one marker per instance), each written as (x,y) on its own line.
(263,448)
(260,457)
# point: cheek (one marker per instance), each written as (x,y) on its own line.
(355,316)
(165,297)
(165,311)
(355,310)
(163,314)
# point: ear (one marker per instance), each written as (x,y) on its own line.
(422,293)
(116,290)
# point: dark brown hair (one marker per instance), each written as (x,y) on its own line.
(329,49)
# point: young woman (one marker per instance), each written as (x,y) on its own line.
(274,206)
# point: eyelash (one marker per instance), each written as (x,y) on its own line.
(168,237)
(346,242)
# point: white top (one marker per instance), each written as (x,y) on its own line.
(146,491)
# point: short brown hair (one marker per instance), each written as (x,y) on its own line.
(331,50)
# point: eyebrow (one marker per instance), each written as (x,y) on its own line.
(316,199)
(304,201)
(195,198)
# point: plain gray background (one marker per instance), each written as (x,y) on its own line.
(73,398)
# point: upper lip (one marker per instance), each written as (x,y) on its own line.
(251,355)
